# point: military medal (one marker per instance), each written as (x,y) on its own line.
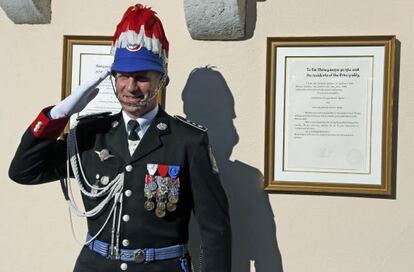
(161,206)
(162,190)
(162,170)
(163,182)
(171,207)
(173,199)
(159,213)
(152,168)
(149,205)
(174,187)
(150,186)
(149,195)
(173,171)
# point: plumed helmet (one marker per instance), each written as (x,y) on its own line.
(139,42)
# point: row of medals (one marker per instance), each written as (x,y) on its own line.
(164,191)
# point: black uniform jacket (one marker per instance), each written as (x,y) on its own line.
(40,158)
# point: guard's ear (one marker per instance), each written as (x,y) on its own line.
(164,81)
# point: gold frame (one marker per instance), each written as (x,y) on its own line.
(67,68)
(385,189)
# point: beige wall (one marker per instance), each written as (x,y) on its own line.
(313,233)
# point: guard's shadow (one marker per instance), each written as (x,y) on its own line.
(209,101)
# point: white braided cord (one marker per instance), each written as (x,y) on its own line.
(112,191)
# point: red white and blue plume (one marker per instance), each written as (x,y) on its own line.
(139,42)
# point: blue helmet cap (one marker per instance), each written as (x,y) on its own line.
(129,61)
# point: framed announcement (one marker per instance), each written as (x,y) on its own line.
(329,114)
(84,57)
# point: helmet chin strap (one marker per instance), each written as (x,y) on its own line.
(151,96)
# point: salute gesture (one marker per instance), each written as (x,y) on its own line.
(78,99)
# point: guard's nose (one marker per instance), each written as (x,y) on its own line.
(131,84)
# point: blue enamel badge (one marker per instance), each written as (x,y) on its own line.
(173,171)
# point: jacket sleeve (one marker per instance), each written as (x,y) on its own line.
(40,157)
(211,209)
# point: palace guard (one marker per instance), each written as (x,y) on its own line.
(140,172)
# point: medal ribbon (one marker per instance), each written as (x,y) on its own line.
(152,168)
(162,170)
(173,171)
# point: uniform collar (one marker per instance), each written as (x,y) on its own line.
(154,137)
(143,121)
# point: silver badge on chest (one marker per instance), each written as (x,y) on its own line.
(114,124)
(104,154)
(162,126)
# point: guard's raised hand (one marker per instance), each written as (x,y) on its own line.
(79,98)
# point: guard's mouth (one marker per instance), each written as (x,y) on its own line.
(133,98)
(133,101)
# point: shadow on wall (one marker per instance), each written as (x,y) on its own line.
(208,101)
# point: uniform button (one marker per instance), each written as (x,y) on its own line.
(125,218)
(128,193)
(105,180)
(128,168)
(124,266)
(38,126)
(97,176)
(125,242)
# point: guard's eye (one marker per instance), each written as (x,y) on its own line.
(141,78)
(121,77)
(137,78)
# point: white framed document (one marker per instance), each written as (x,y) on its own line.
(84,57)
(329,114)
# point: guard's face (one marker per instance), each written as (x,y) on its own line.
(133,88)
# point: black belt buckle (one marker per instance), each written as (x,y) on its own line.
(139,256)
